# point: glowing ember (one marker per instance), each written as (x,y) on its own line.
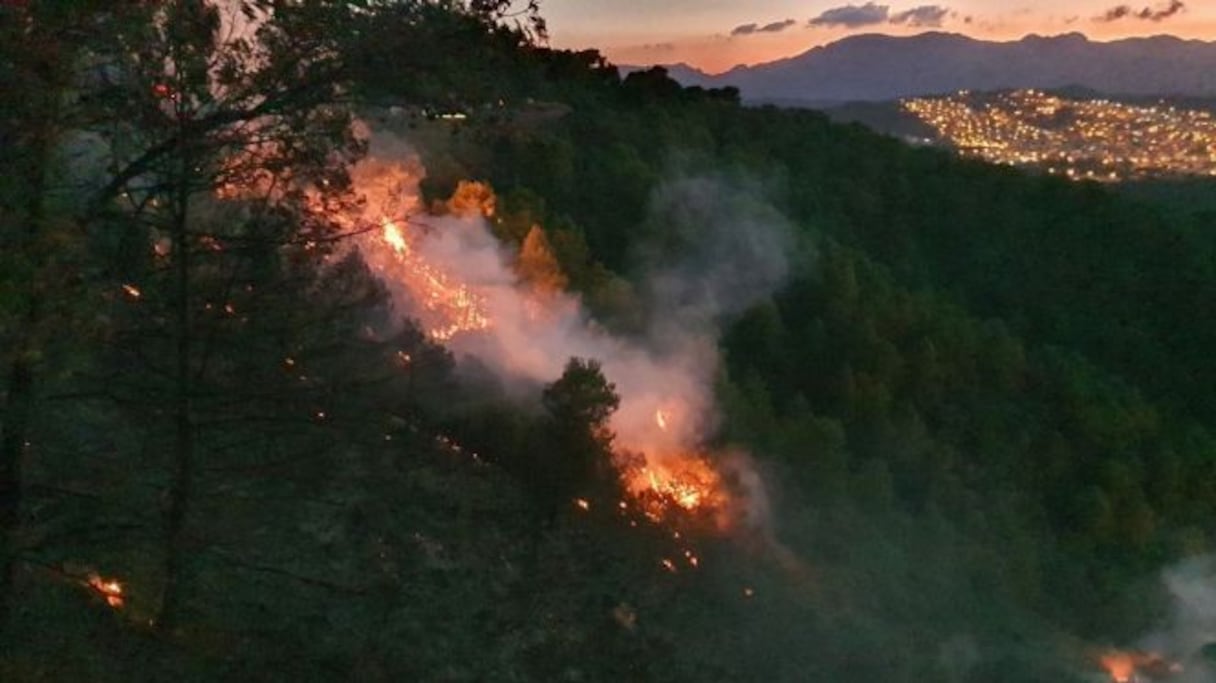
(660,418)
(132,291)
(692,559)
(1121,666)
(210,243)
(625,615)
(1134,667)
(109,589)
(582,504)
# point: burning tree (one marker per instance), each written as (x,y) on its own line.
(579,460)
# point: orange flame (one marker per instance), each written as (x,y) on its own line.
(394,237)
(685,484)
(453,306)
(109,589)
(1120,665)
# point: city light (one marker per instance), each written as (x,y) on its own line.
(1099,139)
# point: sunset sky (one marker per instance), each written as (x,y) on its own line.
(715,35)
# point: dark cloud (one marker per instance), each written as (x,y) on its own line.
(777,26)
(854,16)
(923,16)
(871,14)
(1168,11)
(1159,13)
(774,27)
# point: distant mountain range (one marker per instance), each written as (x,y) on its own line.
(876,67)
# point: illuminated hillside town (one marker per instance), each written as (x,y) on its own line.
(1101,140)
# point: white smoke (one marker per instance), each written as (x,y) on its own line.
(1192,626)
(731,250)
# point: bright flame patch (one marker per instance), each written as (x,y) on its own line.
(110,589)
(1135,667)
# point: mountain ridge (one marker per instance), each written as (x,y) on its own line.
(875,67)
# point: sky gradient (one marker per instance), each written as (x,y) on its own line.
(715,35)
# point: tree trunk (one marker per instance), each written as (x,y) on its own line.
(19,405)
(13,435)
(182,478)
(180,484)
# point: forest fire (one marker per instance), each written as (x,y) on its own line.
(481,298)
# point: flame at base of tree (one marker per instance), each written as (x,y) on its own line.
(686,484)
(683,482)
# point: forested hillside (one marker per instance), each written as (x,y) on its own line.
(962,426)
